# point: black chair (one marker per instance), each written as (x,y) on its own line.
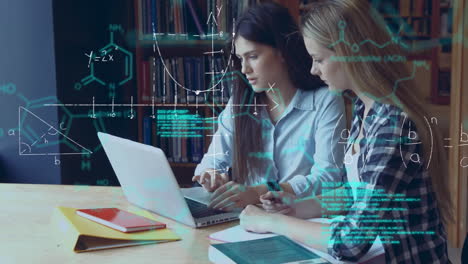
(464,255)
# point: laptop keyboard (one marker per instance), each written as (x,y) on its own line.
(200,210)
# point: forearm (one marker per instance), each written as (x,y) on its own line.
(331,212)
(309,208)
(210,163)
(312,208)
(221,143)
(314,235)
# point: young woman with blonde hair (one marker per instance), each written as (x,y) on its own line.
(397,168)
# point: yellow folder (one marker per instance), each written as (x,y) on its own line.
(81,234)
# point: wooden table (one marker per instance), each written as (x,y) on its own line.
(27,233)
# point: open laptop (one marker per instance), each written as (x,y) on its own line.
(148,182)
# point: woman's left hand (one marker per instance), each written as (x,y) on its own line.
(233,196)
(255,219)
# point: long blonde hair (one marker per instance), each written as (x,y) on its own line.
(354,29)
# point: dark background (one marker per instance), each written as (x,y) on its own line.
(81,27)
(43,55)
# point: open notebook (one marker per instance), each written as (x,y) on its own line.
(376,253)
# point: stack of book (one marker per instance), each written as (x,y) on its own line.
(81,235)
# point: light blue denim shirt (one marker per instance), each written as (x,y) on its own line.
(301,148)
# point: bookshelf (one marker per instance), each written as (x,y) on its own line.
(178,46)
(430,24)
(458,175)
(426,26)
(424,19)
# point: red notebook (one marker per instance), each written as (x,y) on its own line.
(120,220)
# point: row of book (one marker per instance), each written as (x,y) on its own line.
(443,88)
(415,8)
(181,146)
(191,17)
(446,22)
(409,18)
(420,28)
(412,29)
(184,80)
(403,8)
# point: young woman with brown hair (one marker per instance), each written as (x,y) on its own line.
(278,128)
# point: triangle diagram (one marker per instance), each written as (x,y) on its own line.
(37,137)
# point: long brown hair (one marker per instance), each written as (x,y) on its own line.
(354,28)
(268,24)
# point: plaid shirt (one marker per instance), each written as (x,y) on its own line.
(388,168)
